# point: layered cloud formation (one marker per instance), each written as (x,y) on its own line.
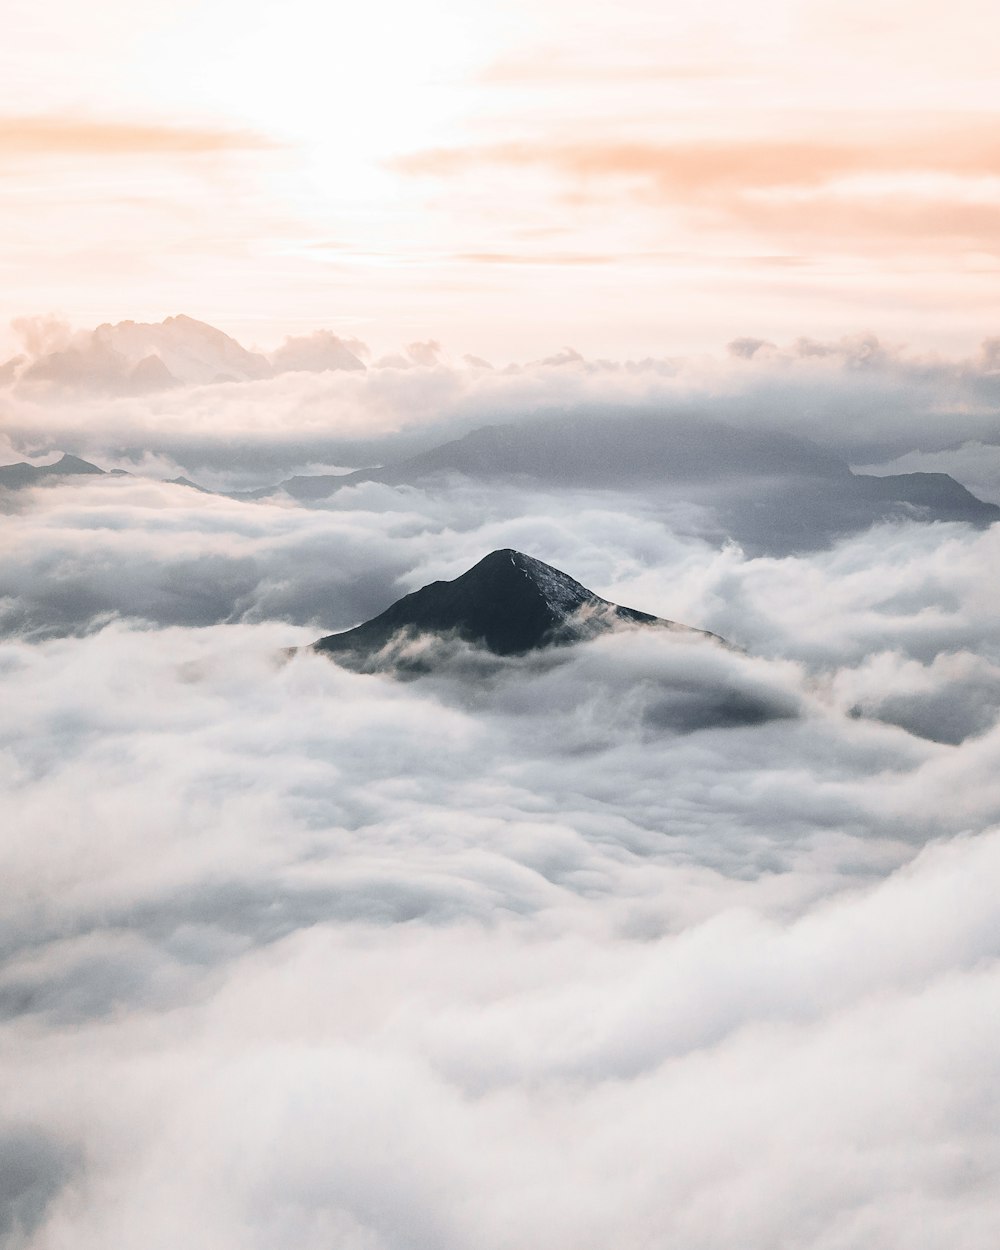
(645,940)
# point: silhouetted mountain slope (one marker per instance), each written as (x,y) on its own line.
(622,451)
(947,499)
(509,603)
(186,481)
(24,474)
(772,492)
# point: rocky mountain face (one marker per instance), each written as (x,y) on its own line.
(509,603)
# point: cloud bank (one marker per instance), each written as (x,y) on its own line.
(405,970)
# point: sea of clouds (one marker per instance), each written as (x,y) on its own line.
(645,942)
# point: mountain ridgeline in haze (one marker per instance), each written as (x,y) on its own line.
(509,603)
(619,450)
(773,492)
(14,476)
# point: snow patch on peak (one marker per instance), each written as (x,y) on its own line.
(562,593)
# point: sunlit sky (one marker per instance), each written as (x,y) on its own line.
(506,178)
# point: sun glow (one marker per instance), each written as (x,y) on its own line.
(353,85)
(268,166)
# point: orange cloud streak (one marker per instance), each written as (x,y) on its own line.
(694,168)
(55,135)
(798,191)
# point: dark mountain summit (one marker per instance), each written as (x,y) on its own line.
(508,603)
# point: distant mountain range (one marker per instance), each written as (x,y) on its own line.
(772,492)
(13,476)
(136,357)
(621,450)
(643,450)
(508,603)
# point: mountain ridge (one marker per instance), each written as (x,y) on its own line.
(14,476)
(643,450)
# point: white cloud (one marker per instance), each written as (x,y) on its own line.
(297,954)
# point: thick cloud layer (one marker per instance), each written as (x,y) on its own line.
(296,955)
(644,941)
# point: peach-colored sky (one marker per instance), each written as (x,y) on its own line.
(507,178)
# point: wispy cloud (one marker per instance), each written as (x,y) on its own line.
(551,67)
(536,258)
(746,164)
(939,183)
(61,135)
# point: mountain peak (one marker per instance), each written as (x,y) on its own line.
(512,572)
(68,463)
(510,603)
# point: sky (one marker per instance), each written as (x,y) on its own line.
(652,178)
